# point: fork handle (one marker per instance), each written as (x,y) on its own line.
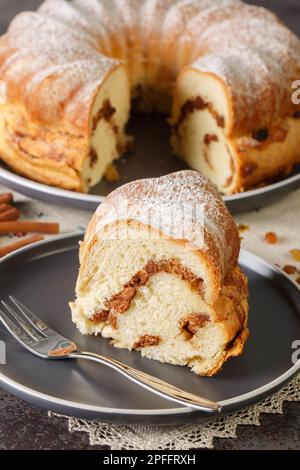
(153,384)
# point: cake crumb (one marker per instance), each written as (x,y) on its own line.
(112,174)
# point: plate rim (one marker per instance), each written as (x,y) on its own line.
(242,400)
(7,175)
(10,176)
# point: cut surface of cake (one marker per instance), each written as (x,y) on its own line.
(159,273)
(223,71)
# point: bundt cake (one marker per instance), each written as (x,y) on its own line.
(159,273)
(223,70)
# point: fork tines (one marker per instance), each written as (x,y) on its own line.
(21,322)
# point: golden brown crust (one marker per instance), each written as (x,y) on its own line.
(231,308)
(53,63)
(252,157)
(48,148)
(50,156)
(249,147)
(235,349)
(231,311)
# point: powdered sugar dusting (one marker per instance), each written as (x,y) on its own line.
(162,202)
(57,72)
(254,54)
(258,71)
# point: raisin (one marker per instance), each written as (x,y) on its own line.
(243,228)
(296,114)
(289,269)
(262,135)
(271,238)
(295,254)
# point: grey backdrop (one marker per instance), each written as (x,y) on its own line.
(25,427)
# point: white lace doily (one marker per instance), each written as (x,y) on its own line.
(183,437)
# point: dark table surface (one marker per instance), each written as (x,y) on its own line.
(23,426)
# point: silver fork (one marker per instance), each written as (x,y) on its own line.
(41,340)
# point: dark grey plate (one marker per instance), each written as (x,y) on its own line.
(152,157)
(43,277)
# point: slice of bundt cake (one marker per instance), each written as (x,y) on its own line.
(159,273)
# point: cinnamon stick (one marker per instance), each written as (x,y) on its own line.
(6,198)
(4,207)
(19,244)
(25,226)
(9,215)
